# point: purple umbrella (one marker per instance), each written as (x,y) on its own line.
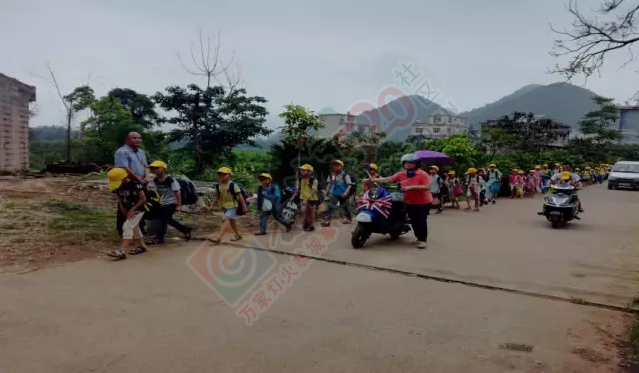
(432,157)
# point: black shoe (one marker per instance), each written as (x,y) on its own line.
(288,228)
(187,234)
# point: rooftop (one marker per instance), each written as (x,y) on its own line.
(29,88)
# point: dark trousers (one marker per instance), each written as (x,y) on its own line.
(344,205)
(121,218)
(166,219)
(418,215)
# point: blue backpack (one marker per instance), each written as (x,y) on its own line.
(240,209)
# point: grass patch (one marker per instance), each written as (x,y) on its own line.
(633,336)
(76,218)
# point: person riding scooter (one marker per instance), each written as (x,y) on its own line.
(567,177)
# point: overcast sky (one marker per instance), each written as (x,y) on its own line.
(315,53)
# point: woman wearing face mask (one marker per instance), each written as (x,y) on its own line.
(416,185)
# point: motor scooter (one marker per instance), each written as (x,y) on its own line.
(561,205)
(379,211)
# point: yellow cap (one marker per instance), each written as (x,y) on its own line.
(557,164)
(158,164)
(373,166)
(451,172)
(588,168)
(532,171)
(116,175)
(521,171)
(515,170)
(224,170)
(577,169)
(565,175)
(492,165)
(537,167)
(435,167)
(338,162)
(307,167)
(545,165)
(471,170)
(266,175)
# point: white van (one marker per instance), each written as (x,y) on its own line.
(624,174)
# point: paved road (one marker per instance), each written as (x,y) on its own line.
(153,314)
(510,246)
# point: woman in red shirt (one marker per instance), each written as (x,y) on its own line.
(415,183)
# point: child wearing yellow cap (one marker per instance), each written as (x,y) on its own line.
(474,184)
(170,200)
(372,171)
(338,187)
(132,202)
(308,193)
(230,197)
(268,202)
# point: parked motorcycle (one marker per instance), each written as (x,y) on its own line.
(290,206)
(561,205)
(379,211)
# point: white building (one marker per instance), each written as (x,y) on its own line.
(439,126)
(344,123)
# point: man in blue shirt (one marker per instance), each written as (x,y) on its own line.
(339,186)
(133,160)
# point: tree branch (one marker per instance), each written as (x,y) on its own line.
(591,40)
(210,67)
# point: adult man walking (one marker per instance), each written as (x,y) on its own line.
(133,160)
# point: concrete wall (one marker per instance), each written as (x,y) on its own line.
(14,123)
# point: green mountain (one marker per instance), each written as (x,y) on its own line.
(563,102)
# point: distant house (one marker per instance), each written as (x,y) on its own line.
(628,124)
(440,125)
(563,132)
(344,124)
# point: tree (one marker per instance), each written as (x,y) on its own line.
(600,134)
(213,67)
(496,138)
(368,142)
(298,121)
(140,106)
(457,147)
(525,132)
(212,121)
(74,102)
(612,28)
(105,129)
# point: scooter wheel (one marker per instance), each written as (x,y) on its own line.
(359,236)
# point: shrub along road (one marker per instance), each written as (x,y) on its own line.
(152,313)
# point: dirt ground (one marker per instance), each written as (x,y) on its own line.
(55,220)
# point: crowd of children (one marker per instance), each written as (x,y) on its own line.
(482,186)
(478,187)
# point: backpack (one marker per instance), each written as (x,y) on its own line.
(311,181)
(353,184)
(152,206)
(240,209)
(187,191)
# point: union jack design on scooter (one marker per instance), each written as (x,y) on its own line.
(379,211)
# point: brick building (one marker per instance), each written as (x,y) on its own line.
(15,97)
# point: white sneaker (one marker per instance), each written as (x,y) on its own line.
(421,245)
